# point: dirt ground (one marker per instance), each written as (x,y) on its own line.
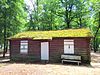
(52,69)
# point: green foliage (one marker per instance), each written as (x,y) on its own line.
(51,34)
(12,17)
(48,15)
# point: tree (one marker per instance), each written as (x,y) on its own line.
(81,14)
(95,5)
(11,19)
(69,6)
(95,35)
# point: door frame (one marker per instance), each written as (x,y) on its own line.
(47,51)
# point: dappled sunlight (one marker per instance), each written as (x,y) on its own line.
(51,69)
(48,69)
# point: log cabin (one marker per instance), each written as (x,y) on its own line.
(48,46)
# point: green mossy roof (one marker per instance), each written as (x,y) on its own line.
(51,34)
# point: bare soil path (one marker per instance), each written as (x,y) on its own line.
(52,69)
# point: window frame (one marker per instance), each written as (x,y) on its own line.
(24,47)
(69,42)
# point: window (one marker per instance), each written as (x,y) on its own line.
(69,46)
(24,47)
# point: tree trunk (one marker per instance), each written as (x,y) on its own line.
(37,10)
(31,23)
(80,22)
(5,33)
(67,19)
(68,24)
(4,39)
(51,20)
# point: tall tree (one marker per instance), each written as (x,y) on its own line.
(68,5)
(95,5)
(11,18)
(81,14)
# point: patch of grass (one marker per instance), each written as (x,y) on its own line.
(51,34)
(3,64)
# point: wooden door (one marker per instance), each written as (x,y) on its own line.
(44,51)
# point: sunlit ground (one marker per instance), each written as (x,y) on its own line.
(52,69)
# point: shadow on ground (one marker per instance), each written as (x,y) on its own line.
(95,61)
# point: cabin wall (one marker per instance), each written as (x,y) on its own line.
(33,51)
(56,48)
(14,47)
(82,47)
